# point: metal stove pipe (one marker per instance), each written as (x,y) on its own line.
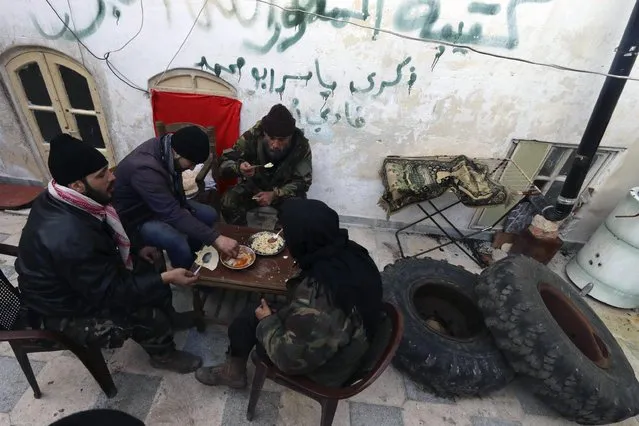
(602,112)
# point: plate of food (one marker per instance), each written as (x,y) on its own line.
(244,259)
(267,243)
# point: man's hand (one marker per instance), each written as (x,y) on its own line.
(228,246)
(264,198)
(179,276)
(246,169)
(262,311)
(150,254)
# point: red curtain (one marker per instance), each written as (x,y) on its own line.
(206,110)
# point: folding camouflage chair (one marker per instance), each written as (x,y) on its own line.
(476,183)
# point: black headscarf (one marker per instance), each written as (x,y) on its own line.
(339,265)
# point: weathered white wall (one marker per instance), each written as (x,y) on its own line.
(445,101)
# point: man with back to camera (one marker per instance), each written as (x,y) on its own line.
(77,272)
(150,198)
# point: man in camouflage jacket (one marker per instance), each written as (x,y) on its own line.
(310,336)
(274,140)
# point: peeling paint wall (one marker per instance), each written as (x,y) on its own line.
(359,94)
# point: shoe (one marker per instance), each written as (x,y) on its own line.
(177,361)
(232,373)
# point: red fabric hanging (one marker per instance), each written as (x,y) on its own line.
(206,110)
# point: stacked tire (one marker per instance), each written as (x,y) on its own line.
(555,340)
(445,347)
(467,335)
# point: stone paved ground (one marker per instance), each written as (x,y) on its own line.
(165,399)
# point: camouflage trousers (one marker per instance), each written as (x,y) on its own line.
(149,326)
(238,200)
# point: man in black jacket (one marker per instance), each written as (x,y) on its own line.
(76,270)
(150,198)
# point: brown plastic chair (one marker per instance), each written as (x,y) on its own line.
(210,165)
(24,341)
(374,363)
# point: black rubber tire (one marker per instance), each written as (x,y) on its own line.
(444,365)
(559,373)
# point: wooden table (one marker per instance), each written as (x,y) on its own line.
(267,275)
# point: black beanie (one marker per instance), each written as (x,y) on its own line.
(191,143)
(279,122)
(70,159)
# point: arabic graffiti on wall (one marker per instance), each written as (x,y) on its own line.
(475,23)
(347,112)
(268,80)
(421,18)
(80,31)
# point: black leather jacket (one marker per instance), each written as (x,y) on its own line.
(68,266)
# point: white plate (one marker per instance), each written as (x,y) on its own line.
(243,250)
(279,245)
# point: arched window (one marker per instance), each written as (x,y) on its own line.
(56,94)
(191,80)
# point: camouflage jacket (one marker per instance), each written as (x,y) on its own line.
(312,337)
(289,178)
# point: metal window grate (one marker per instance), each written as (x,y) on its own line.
(508,173)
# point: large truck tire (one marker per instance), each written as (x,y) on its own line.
(446,347)
(551,336)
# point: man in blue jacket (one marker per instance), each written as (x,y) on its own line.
(150,198)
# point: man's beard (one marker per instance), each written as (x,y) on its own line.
(276,155)
(98,196)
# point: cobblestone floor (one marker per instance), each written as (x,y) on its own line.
(165,399)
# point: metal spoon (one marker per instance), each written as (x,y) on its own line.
(274,238)
(205,259)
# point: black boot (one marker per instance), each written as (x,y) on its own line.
(232,373)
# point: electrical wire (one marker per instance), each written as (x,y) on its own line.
(105,58)
(139,29)
(72,32)
(118,74)
(112,65)
(185,39)
(446,43)
(122,78)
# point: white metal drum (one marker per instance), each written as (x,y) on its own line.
(610,259)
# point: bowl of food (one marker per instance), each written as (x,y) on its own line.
(244,259)
(267,243)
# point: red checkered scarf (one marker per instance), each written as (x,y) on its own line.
(100,212)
